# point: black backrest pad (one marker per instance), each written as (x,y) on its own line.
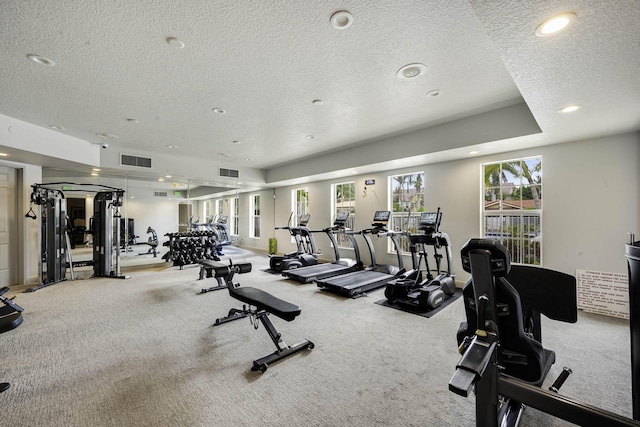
(549,292)
(265,301)
(500,257)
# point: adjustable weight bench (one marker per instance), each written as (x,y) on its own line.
(207,266)
(264,304)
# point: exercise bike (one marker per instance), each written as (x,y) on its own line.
(429,293)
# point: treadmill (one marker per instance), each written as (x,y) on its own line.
(338,266)
(375,276)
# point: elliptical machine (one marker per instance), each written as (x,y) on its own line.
(305,253)
(411,290)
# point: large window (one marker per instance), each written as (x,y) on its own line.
(205,211)
(219,207)
(344,200)
(299,206)
(512,207)
(406,200)
(234,208)
(254,211)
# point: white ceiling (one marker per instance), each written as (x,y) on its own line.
(264,62)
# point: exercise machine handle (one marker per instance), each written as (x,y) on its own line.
(230,270)
(561,379)
(471,366)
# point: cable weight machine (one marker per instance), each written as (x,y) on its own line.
(54,242)
(106,254)
(53,245)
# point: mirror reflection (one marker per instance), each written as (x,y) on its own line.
(152,210)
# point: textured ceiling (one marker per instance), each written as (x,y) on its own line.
(264,62)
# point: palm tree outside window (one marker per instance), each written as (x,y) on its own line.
(512,207)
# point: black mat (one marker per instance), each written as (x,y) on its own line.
(457,294)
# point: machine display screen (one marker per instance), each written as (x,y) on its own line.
(304,219)
(342,216)
(381,216)
(428,218)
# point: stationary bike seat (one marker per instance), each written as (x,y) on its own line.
(265,301)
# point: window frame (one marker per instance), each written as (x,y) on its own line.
(219,207)
(341,239)
(517,226)
(295,204)
(234,210)
(254,201)
(399,218)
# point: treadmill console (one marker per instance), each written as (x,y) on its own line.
(430,221)
(381,218)
(341,219)
(304,220)
(222,219)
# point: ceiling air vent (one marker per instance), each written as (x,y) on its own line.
(231,173)
(141,162)
(160,194)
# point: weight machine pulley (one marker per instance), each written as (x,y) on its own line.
(54,243)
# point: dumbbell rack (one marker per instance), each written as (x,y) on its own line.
(191,247)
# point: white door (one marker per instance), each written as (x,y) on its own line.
(8,252)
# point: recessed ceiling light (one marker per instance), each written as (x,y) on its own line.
(310,136)
(175,42)
(411,71)
(173,147)
(317,102)
(219,110)
(94,174)
(224,155)
(4,155)
(167,176)
(247,159)
(133,120)
(41,60)
(237,142)
(107,135)
(56,127)
(95,169)
(433,93)
(341,20)
(569,109)
(132,197)
(473,152)
(161,179)
(555,24)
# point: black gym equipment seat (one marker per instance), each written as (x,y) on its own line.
(10,312)
(207,266)
(10,318)
(502,356)
(264,304)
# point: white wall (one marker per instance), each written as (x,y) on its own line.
(160,214)
(590,191)
(267,203)
(590,202)
(28,229)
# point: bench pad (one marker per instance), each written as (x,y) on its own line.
(265,301)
